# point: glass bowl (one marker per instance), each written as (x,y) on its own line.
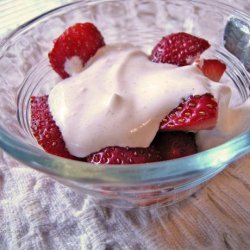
(25,71)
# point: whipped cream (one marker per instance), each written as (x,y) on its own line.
(120,98)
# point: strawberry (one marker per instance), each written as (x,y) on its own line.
(45,129)
(81,40)
(179,48)
(120,155)
(174,145)
(193,114)
(212,68)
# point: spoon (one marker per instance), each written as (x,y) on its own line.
(237,40)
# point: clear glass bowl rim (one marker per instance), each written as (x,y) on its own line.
(195,165)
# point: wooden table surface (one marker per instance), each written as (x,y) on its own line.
(216,217)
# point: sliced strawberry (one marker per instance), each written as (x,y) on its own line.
(119,155)
(81,40)
(45,129)
(192,114)
(212,68)
(174,145)
(179,48)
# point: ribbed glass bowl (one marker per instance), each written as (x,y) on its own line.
(25,71)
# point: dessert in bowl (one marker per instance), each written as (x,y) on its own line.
(27,73)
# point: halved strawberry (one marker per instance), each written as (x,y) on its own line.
(192,114)
(211,68)
(179,48)
(45,129)
(120,155)
(174,145)
(81,40)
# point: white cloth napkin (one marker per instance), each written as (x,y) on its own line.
(37,212)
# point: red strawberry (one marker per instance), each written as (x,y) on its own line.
(119,155)
(212,68)
(179,48)
(81,40)
(45,129)
(192,114)
(174,145)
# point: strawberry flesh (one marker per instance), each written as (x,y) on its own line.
(211,68)
(174,145)
(121,155)
(193,114)
(81,40)
(45,130)
(179,48)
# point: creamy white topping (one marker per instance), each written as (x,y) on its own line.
(73,65)
(120,98)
